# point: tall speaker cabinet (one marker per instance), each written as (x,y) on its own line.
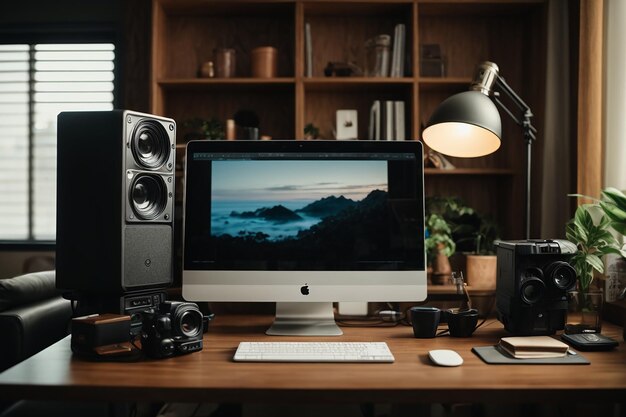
(511,33)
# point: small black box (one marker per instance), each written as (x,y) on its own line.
(590,341)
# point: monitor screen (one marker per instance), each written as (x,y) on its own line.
(263,220)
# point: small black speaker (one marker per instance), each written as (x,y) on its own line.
(115,202)
(533,279)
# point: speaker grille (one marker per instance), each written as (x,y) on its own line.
(148,253)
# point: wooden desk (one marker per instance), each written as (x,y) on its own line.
(212,376)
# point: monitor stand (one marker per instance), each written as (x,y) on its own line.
(304,319)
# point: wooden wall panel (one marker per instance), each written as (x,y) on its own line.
(590,84)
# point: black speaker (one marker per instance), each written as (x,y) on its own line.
(533,279)
(115,202)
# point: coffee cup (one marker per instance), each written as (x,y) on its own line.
(462,323)
(425,321)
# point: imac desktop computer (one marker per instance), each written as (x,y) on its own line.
(304,224)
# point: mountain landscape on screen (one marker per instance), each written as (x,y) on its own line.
(329,228)
(299,210)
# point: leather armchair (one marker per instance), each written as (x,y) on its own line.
(33,315)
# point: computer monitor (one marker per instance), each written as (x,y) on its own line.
(304,224)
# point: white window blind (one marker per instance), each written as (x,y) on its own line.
(36,83)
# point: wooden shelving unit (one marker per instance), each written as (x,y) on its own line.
(508,32)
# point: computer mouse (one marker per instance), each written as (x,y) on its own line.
(445,357)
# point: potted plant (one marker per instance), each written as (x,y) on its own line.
(311,131)
(209,129)
(614,207)
(593,240)
(475,236)
(481,263)
(439,247)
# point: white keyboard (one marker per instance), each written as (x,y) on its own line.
(313,352)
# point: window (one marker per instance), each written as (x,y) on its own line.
(37,82)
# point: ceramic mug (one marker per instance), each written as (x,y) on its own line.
(425,321)
(462,323)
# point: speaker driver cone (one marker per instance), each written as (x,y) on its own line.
(148,195)
(532,288)
(150,144)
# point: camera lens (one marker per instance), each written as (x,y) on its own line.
(562,275)
(150,144)
(189,324)
(188,321)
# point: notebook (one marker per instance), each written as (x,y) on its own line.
(533,347)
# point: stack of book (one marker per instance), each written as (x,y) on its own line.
(387,120)
(533,347)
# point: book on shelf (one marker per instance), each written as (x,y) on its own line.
(398,53)
(308,49)
(399,126)
(374,126)
(533,347)
(387,120)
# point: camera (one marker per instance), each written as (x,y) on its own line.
(173,328)
(533,279)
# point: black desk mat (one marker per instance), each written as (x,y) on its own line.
(492,355)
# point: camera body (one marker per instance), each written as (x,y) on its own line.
(174,328)
(533,279)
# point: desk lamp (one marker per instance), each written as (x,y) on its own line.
(468,124)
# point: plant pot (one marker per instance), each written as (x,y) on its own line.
(442,270)
(481,271)
(584,312)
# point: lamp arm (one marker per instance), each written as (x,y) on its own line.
(527,114)
(529,135)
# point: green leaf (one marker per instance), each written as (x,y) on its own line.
(613,212)
(616,196)
(595,262)
(616,251)
(571,232)
(604,223)
(575,229)
(583,218)
(619,227)
(583,196)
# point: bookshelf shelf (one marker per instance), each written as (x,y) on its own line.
(343,84)
(172,83)
(444,83)
(469,172)
(187,84)
(185,33)
(357,80)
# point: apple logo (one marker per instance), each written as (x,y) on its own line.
(304,289)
